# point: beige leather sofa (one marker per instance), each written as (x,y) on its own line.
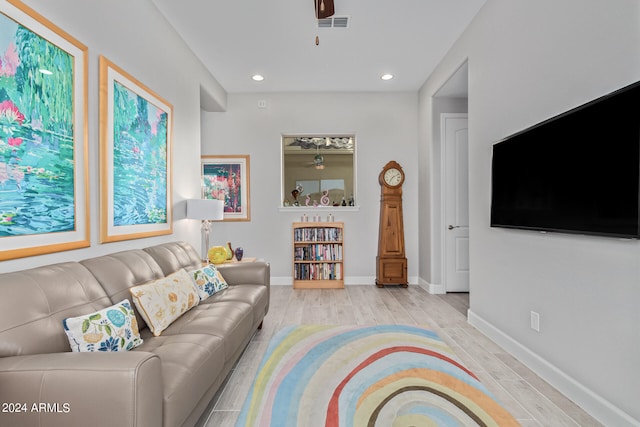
(167,381)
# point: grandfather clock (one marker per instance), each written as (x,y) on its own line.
(391,262)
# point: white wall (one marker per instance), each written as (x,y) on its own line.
(385,125)
(136,37)
(529,61)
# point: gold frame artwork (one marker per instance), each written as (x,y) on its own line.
(226,177)
(135,161)
(51,127)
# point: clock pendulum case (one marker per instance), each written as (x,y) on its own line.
(391,262)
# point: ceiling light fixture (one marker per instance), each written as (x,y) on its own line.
(322,11)
(324,8)
(257,77)
(386,76)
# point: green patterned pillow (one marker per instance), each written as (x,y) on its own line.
(112,329)
(208,280)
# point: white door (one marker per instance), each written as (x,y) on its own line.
(455,173)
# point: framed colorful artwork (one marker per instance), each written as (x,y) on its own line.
(227,178)
(135,158)
(44,185)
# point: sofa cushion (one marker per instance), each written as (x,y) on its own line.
(191,364)
(119,271)
(34,303)
(173,256)
(111,329)
(257,296)
(162,301)
(208,281)
(231,321)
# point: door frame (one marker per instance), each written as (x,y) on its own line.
(443,195)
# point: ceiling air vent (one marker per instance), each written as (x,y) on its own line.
(334,22)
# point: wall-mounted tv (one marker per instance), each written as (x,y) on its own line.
(578,172)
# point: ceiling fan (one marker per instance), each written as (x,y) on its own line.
(318,160)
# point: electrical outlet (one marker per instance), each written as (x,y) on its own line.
(535,321)
(262,103)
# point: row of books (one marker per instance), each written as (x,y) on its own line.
(318,252)
(324,271)
(316,234)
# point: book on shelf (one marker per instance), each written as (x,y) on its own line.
(319,271)
(319,252)
(316,234)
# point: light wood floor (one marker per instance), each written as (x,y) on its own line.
(529,398)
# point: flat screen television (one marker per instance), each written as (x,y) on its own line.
(578,172)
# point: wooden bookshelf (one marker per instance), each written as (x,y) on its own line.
(318,255)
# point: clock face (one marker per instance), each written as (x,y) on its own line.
(393,177)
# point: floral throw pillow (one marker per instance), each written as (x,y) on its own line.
(112,329)
(208,280)
(162,301)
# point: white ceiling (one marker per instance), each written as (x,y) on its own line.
(238,38)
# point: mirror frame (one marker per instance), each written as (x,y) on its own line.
(284,194)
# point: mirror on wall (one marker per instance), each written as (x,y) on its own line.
(318,170)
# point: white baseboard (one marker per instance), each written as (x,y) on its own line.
(349,280)
(281,281)
(598,407)
(432,288)
(360,280)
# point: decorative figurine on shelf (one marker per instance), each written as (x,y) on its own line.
(239,253)
(229,251)
(352,201)
(324,200)
(295,193)
(217,255)
(344,202)
(308,200)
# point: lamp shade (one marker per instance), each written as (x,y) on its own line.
(205,209)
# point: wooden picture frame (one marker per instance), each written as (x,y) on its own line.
(44,183)
(226,177)
(135,158)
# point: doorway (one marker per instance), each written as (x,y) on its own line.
(451,180)
(455,201)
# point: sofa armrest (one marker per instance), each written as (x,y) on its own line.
(96,389)
(246,273)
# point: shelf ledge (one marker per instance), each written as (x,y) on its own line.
(328,209)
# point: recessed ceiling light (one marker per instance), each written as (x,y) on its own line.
(257,77)
(386,76)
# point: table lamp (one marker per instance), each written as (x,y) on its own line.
(206,210)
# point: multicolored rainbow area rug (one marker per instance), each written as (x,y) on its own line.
(352,376)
